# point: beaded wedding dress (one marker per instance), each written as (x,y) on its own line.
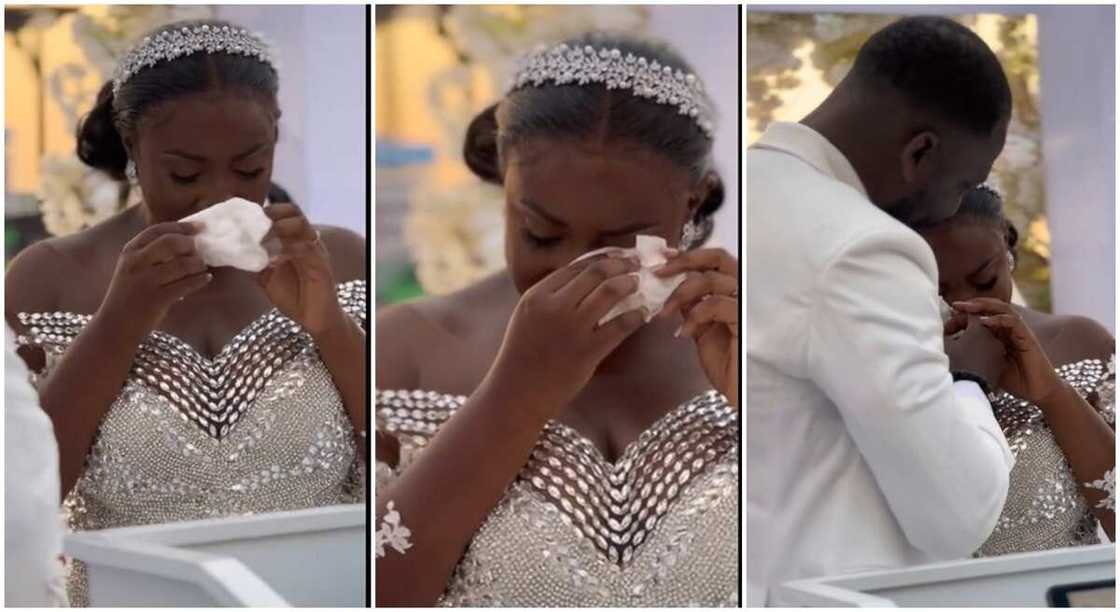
(259,428)
(659,527)
(1044,508)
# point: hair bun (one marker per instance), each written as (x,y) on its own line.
(99,143)
(480,147)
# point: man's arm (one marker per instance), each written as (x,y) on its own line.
(876,349)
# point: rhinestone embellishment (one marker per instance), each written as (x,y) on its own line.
(583,65)
(179,42)
(214,394)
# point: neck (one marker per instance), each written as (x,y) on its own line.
(842,123)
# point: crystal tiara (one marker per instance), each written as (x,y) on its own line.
(178,42)
(564,65)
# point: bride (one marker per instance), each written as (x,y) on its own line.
(179,391)
(1057,405)
(532,450)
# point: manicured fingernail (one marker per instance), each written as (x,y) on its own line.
(677,334)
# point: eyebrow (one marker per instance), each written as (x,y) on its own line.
(982,267)
(629,229)
(253,151)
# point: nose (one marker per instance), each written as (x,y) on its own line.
(223,187)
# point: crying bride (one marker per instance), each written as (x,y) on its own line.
(186,379)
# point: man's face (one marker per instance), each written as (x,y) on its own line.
(962,161)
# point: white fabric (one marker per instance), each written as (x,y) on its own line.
(653,291)
(33,571)
(232,234)
(861,452)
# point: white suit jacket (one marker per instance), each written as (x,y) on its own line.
(862,453)
(33,573)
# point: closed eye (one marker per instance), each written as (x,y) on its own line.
(987,285)
(251,174)
(185,179)
(540,242)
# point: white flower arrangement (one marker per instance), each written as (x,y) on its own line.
(74,196)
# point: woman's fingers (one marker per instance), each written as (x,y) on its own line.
(981,306)
(607,295)
(695,287)
(594,274)
(613,332)
(715,309)
(153,232)
(699,260)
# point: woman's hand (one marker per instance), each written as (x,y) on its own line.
(298,279)
(708,299)
(157,268)
(1029,375)
(554,342)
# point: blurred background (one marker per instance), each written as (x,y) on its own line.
(56,59)
(1057,169)
(438,227)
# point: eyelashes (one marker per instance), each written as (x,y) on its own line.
(540,242)
(986,286)
(188,179)
(185,180)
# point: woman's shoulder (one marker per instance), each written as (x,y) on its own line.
(42,276)
(65,273)
(430,329)
(348,252)
(1073,338)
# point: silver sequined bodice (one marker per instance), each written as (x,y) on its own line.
(1044,508)
(259,428)
(659,527)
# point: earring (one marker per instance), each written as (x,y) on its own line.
(130,171)
(690,233)
(1011,260)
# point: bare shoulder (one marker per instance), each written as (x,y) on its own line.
(1093,338)
(348,252)
(53,274)
(428,330)
(1073,338)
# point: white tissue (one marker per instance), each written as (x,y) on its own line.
(946,311)
(653,290)
(231,235)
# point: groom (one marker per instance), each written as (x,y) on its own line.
(870,442)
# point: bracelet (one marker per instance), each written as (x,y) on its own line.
(959,375)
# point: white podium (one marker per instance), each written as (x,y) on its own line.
(1019,580)
(313,557)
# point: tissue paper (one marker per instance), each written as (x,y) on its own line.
(653,291)
(231,235)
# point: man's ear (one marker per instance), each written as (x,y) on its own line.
(919,157)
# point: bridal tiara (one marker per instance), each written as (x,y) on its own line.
(581,65)
(178,42)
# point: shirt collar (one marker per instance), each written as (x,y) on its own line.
(810,146)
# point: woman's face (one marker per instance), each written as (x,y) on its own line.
(972,260)
(198,150)
(567,197)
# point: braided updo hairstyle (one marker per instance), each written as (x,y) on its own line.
(985,204)
(101,132)
(585,111)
